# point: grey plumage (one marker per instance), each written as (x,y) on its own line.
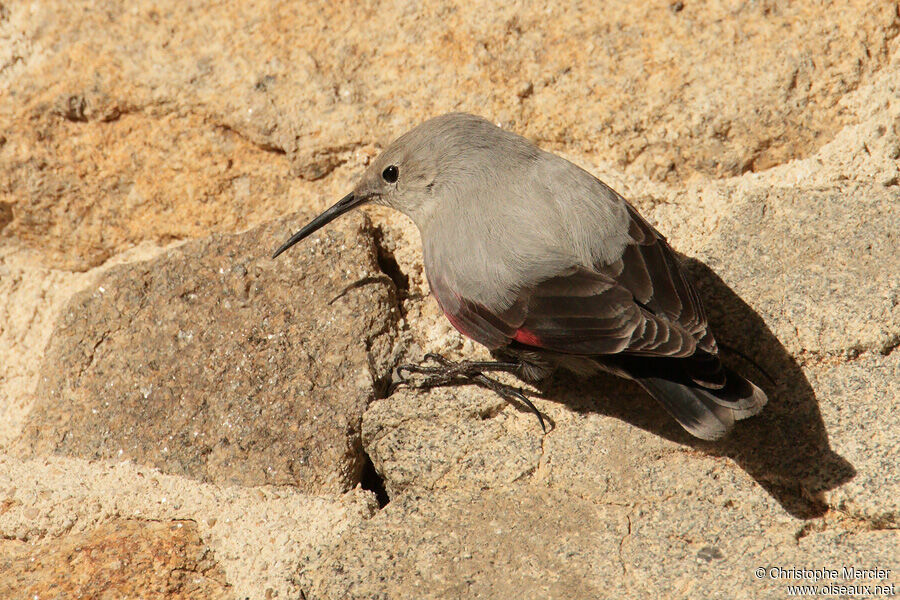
(538,260)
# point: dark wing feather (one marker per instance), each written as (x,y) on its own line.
(641,304)
(585,312)
(649,270)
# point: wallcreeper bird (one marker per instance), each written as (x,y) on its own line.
(547,266)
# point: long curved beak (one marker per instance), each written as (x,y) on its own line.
(345,204)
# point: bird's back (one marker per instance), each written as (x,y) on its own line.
(508,223)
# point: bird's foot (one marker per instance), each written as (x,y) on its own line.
(448,372)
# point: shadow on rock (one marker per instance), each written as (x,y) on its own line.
(785,448)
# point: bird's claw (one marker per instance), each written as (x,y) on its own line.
(444,373)
(441,360)
(471,371)
(437,375)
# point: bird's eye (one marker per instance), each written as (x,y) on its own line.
(391,174)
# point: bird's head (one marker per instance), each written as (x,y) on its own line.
(431,162)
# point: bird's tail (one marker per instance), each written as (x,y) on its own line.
(706,412)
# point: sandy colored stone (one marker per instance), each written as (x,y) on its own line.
(257,535)
(611,441)
(159,177)
(512,542)
(120,559)
(449,440)
(31,299)
(718,553)
(818,265)
(533,541)
(860,402)
(195,104)
(214,361)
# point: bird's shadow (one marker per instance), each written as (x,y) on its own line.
(785,448)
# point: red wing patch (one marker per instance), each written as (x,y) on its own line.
(526,337)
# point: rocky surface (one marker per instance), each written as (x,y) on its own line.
(255,535)
(530,541)
(181,415)
(214,362)
(214,97)
(146,559)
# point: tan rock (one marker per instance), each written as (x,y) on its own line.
(818,265)
(187,102)
(119,559)
(447,439)
(215,362)
(515,541)
(80,193)
(532,541)
(257,535)
(31,299)
(860,402)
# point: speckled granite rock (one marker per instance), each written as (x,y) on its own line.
(512,542)
(819,264)
(861,407)
(257,535)
(449,439)
(119,559)
(215,362)
(202,99)
(533,541)
(763,138)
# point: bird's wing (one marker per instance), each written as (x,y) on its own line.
(649,270)
(641,304)
(586,312)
